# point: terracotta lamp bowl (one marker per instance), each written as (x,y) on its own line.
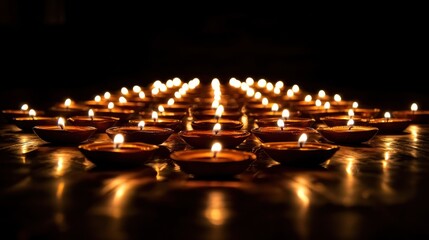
(26,124)
(292,122)
(101,123)
(347,135)
(131,154)
(289,153)
(275,134)
(201,163)
(151,135)
(342,120)
(391,126)
(68,135)
(205,138)
(208,124)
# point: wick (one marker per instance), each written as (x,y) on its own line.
(387,119)
(350,127)
(300,144)
(154,119)
(217,119)
(32,117)
(61,126)
(216,132)
(116,145)
(92,118)
(215,155)
(281,128)
(141,128)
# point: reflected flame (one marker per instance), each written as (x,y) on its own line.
(301,192)
(216,213)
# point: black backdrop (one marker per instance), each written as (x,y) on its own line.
(56,49)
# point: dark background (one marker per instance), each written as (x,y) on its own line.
(52,49)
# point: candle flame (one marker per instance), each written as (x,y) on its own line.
(275,107)
(350,123)
(141,124)
(32,113)
(97,98)
(257,95)
(118,140)
(302,139)
(277,91)
(265,101)
(215,104)
(414,107)
(321,94)
(154,116)
(154,91)
(387,116)
(177,95)
(61,122)
(67,102)
(269,86)
(136,88)
(250,81)
(142,95)
(111,105)
(124,90)
(290,93)
(216,128)
(91,114)
(250,92)
(219,111)
(161,108)
(122,99)
(279,84)
(285,114)
(170,102)
(216,147)
(318,103)
(262,83)
(355,105)
(295,88)
(308,98)
(24,107)
(107,95)
(351,113)
(177,82)
(327,105)
(169,83)
(280,124)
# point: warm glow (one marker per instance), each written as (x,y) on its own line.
(351,113)
(279,85)
(216,128)
(234,82)
(170,102)
(142,95)
(295,88)
(289,93)
(327,105)
(219,110)
(308,98)
(355,105)
(350,123)
(177,82)
(141,124)
(118,140)
(91,113)
(107,95)
(302,139)
(32,113)
(269,86)
(265,101)
(262,83)
(24,107)
(275,107)
(318,103)
(280,123)
(216,147)
(136,88)
(321,94)
(258,95)
(122,99)
(67,102)
(111,105)
(250,81)
(387,115)
(154,116)
(61,122)
(337,98)
(414,107)
(124,91)
(97,98)
(285,113)
(161,108)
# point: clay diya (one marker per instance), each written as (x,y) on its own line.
(208,124)
(417,116)
(284,133)
(162,114)
(61,134)
(11,114)
(288,121)
(174,124)
(342,120)
(349,134)
(123,114)
(214,162)
(205,138)
(26,124)
(118,153)
(299,153)
(389,125)
(68,108)
(141,133)
(100,122)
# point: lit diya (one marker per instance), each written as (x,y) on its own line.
(171,106)
(416,115)
(100,122)
(214,162)
(118,153)
(288,121)
(68,108)
(141,133)
(217,113)
(162,114)
(123,114)
(10,114)
(205,138)
(61,134)
(350,134)
(26,124)
(341,120)
(389,125)
(284,133)
(301,152)
(174,124)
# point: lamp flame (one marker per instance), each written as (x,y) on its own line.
(24,107)
(285,114)
(67,102)
(91,114)
(216,128)
(155,116)
(161,108)
(355,105)
(118,140)
(387,116)
(351,113)
(275,107)
(350,123)
(32,113)
(216,147)
(281,124)
(302,139)
(141,125)
(61,122)
(110,105)
(414,107)
(170,102)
